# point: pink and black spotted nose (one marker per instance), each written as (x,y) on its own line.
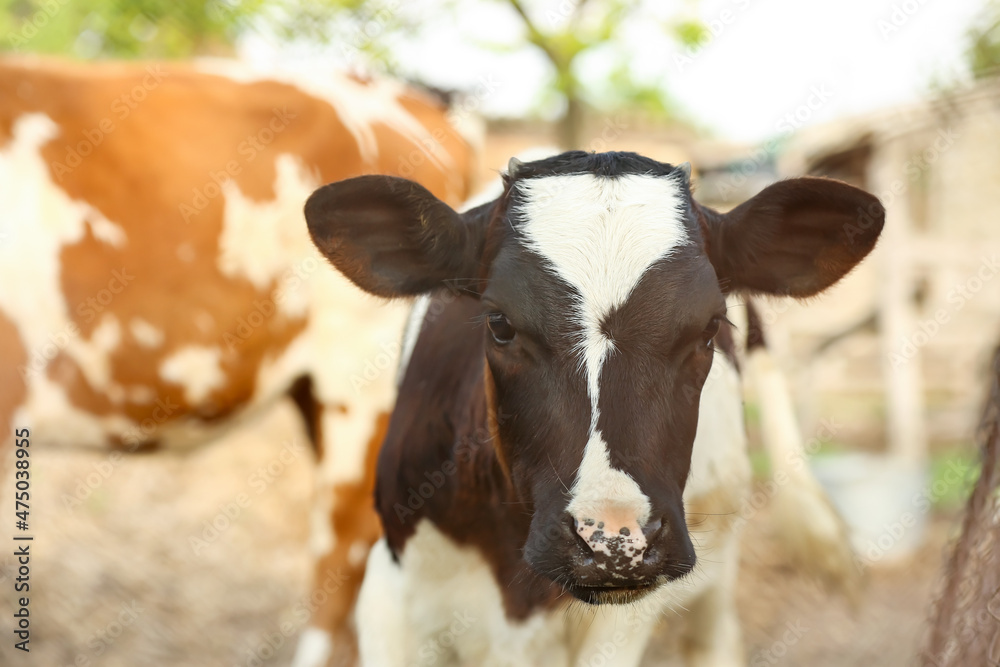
(619,559)
(617,536)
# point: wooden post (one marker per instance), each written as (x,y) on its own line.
(899,329)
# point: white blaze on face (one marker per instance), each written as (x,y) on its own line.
(600,235)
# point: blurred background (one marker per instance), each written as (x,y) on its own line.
(888,370)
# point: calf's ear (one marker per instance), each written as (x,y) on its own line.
(796,238)
(392,237)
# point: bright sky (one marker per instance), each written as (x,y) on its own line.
(766,59)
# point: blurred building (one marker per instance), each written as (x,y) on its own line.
(899,352)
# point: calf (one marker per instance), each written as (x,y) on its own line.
(563,402)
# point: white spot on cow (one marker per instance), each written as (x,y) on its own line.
(196,369)
(601,235)
(108,232)
(258,238)
(39,220)
(145,333)
(314,649)
(93,356)
(359,105)
(358,552)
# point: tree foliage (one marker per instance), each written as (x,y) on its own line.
(983,53)
(575,29)
(183,28)
(124,28)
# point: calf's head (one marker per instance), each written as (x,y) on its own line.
(602,284)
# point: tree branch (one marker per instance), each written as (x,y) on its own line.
(536,36)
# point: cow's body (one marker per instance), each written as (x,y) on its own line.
(157,282)
(566,429)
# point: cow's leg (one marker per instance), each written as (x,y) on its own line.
(712,636)
(344,523)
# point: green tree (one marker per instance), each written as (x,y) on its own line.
(183,28)
(127,29)
(983,53)
(577,28)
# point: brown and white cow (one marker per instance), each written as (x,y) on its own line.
(563,415)
(157,281)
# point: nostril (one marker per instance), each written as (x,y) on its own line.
(652,528)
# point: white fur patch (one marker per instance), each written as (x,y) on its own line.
(718,456)
(359,105)
(413,325)
(108,232)
(39,219)
(259,238)
(442,602)
(314,649)
(93,355)
(196,369)
(601,235)
(145,333)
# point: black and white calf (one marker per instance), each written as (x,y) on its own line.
(564,414)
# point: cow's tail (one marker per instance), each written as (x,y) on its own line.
(810,529)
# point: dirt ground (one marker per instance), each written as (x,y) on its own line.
(130,576)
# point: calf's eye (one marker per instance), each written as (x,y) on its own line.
(500,327)
(709,333)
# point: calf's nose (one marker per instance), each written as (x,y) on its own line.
(616,534)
